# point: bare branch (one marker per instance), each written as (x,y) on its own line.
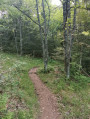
(48,15)
(27,16)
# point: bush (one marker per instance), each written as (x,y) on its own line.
(50,69)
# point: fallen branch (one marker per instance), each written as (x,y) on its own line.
(85,73)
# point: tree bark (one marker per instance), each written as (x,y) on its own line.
(67,35)
(43,46)
(45,40)
(45,30)
(21,45)
(15,40)
(74,20)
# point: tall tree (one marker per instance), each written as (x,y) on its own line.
(21,40)
(45,32)
(68,33)
(38,17)
(45,38)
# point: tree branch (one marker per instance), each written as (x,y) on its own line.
(28,16)
(48,15)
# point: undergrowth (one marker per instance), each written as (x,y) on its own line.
(73,94)
(17,94)
(16,87)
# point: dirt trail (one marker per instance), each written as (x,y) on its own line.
(47,100)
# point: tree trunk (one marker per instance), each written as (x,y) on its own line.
(45,40)
(67,35)
(1,45)
(15,40)
(20,23)
(74,21)
(81,54)
(43,46)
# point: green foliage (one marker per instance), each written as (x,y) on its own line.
(17,87)
(13,69)
(75,69)
(73,94)
(50,69)
(58,54)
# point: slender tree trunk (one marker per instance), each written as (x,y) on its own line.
(15,40)
(1,45)
(16,43)
(20,23)
(67,35)
(69,39)
(81,54)
(74,21)
(65,32)
(43,46)
(46,41)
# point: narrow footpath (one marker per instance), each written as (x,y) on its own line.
(47,100)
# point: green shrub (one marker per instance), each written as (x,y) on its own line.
(49,69)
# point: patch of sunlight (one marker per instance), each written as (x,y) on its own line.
(86,33)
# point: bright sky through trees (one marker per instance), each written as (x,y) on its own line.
(55,2)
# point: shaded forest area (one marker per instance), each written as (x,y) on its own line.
(39,29)
(28,27)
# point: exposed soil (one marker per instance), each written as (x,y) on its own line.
(47,100)
(14,103)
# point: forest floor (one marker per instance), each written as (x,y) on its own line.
(47,100)
(19,99)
